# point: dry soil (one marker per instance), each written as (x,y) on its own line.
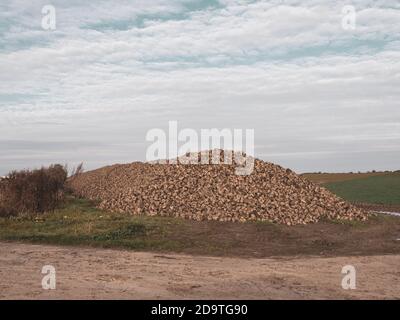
(88,273)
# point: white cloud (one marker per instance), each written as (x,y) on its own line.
(288,71)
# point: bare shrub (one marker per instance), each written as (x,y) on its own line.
(78,170)
(32,191)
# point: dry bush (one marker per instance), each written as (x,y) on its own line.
(32,191)
(78,170)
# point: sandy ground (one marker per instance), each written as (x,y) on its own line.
(86,273)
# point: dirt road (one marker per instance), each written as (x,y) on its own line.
(87,273)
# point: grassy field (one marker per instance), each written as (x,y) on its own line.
(78,222)
(379,189)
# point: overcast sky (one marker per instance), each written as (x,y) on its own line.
(319,97)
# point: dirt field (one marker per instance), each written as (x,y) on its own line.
(102,273)
(322,178)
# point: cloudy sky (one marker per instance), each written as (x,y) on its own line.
(319,96)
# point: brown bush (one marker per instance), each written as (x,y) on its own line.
(32,191)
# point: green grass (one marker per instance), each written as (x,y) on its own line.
(384,189)
(80,223)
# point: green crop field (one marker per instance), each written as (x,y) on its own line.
(380,189)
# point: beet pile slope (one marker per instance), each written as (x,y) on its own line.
(212,192)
